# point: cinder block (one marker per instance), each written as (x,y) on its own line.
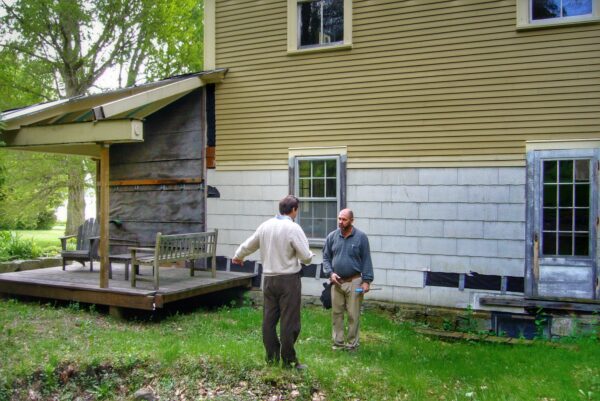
(498,266)
(512,176)
(511,249)
(382,260)
(280,178)
(438,211)
(407,193)
(517,194)
(511,212)
(387,226)
(477,247)
(463,229)
(366,209)
(373,193)
(273,192)
(415,261)
(412,295)
(363,176)
(398,244)
(401,176)
(437,246)
(399,210)
(246,192)
(405,278)
(450,264)
(489,194)
(477,176)
(255,177)
(444,193)
(438,176)
(504,230)
(425,228)
(477,211)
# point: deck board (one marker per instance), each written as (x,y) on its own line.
(78,284)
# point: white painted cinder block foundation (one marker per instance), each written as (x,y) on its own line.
(456,220)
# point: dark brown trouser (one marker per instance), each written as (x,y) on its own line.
(282,300)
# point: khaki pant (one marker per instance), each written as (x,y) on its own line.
(345,299)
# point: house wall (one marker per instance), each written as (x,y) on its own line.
(455,220)
(425,84)
(434,102)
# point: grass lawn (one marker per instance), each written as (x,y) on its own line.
(66,352)
(44,238)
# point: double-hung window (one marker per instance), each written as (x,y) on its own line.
(318,188)
(540,13)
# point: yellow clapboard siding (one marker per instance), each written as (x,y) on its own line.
(425,84)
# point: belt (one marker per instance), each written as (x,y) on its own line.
(348,279)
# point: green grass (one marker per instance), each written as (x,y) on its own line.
(44,238)
(206,351)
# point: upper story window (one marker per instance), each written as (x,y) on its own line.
(541,13)
(319,25)
(320,22)
(544,9)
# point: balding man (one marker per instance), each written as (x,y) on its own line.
(347,261)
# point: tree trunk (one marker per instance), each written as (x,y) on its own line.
(76,200)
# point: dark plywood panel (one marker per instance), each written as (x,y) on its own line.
(158,170)
(183,205)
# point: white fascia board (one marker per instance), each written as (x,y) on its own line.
(133,102)
(110,131)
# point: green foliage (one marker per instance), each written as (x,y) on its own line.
(13,247)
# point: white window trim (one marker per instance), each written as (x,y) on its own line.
(292,34)
(524,17)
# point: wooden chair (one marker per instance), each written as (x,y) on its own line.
(88,239)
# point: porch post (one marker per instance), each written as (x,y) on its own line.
(104,210)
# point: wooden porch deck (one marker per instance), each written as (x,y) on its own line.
(78,284)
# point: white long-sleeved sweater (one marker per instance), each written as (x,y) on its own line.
(283,245)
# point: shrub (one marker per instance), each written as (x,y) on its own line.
(13,247)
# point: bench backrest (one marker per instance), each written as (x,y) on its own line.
(87,230)
(185,246)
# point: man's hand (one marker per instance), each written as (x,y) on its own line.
(365,287)
(334,279)
(237,261)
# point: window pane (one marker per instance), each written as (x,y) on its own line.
(565,168)
(581,244)
(572,8)
(543,9)
(331,188)
(582,220)
(565,219)
(550,168)
(565,244)
(549,244)
(582,170)
(318,168)
(309,20)
(565,195)
(550,195)
(582,195)
(304,185)
(318,188)
(549,219)
(333,21)
(331,168)
(304,168)
(319,209)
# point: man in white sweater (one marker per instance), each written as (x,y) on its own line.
(283,245)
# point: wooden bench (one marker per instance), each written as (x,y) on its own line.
(174,248)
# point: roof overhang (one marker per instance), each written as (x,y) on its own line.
(78,125)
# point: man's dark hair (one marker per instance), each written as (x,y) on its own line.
(287,204)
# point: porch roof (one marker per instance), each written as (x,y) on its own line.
(79,125)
